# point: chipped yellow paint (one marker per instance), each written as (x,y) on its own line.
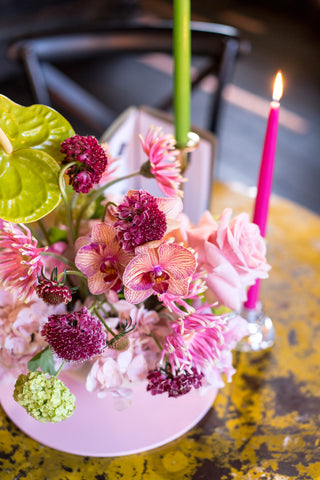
(265,424)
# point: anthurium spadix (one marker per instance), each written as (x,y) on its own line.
(30,139)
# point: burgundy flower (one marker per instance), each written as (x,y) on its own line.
(163,380)
(91,160)
(75,336)
(52,292)
(140,220)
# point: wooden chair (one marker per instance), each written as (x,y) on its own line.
(45,57)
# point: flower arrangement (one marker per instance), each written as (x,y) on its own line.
(127,286)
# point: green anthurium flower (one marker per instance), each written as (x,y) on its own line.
(30,140)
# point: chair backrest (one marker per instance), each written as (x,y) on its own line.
(220,44)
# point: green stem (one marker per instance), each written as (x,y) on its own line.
(114,310)
(65,198)
(59,369)
(156,341)
(95,194)
(57,257)
(71,272)
(104,323)
(35,235)
(44,231)
(105,210)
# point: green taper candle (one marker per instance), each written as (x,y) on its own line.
(182,81)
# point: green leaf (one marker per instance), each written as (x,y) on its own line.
(44,360)
(29,173)
(38,127)
(99,208)
(221,310)
(29,187)
(57,235)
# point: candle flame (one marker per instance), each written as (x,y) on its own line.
(277,87)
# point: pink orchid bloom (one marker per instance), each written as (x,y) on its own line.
(164,163)
(102,260)
(167,268)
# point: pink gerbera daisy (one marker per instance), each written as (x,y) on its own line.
(20,260)
(164,164)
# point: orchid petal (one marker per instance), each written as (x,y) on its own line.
(171,207)
(106,234)
(97,285)
(178,287)
(176,260)
(136,268)
(133,296)
(88,259)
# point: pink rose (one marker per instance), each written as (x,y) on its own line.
(233,254)
(243,246)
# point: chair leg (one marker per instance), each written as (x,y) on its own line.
(36,76)
(77,100)
(225,70)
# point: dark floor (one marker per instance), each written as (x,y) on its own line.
(282,37)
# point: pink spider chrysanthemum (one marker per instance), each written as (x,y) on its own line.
(180,305)
(102,259)
(20,260)
(164,164)
(196,340)
(166,268)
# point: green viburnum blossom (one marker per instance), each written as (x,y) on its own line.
(46,399)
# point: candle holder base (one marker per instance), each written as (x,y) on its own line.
(262,332)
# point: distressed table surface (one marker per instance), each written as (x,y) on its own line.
(265,425)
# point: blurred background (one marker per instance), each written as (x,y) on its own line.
(283,35)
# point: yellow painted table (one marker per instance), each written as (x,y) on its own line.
(266,424)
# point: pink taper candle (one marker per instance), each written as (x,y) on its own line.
(264,188)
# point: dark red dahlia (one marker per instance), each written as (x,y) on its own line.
(52,292)
(139,220)
(75,336)
(163,380)
(91,160)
